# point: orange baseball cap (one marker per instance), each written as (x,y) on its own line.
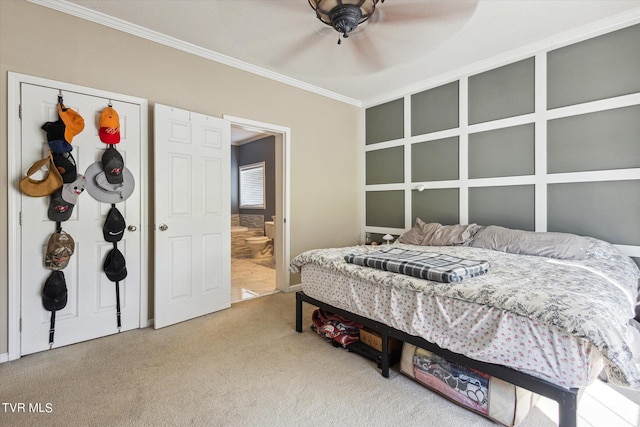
(73,122)
(109,126)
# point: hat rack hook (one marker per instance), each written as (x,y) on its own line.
(60,100)
(109,104)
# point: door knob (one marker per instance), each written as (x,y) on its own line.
(132,228)
(163,227)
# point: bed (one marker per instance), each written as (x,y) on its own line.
(549,312)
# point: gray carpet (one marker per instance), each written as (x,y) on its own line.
(244,366)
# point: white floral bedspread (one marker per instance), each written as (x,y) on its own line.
(592,298)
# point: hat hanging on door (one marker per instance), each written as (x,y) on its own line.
(109,126)
(115,266)
(54,293)
(102,190)
(72,190)
(54,297)
(73,122)
(43,187)
(66,165)
(112,165)
(59,250)
(114,225)
(55,136)
(59,209)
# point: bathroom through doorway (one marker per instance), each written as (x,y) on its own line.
(259,209)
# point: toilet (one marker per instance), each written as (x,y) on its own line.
(262,246)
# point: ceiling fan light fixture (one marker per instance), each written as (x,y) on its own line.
(345,19)
(343,15)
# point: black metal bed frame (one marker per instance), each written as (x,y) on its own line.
(567,398)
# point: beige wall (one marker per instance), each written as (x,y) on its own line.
(325,153)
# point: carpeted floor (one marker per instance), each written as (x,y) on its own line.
(244,366)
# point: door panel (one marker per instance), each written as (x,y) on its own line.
(91,305)
(193,215)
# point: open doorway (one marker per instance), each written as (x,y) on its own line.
(259,209)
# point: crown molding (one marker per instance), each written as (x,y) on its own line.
(142,32)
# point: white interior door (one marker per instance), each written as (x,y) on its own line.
(192,215)
(91,306)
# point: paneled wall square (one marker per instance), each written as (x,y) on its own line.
(601,67)
(435,109)
(507,91)
(385,208)
(607,210)
(436,160)
(385,122)
(440,205)
(385,166)
(502,152)
(603,140)
(509,206)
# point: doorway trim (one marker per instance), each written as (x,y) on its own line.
(14,82)
(283,157)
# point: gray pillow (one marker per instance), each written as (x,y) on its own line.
(546,244)
(435,234)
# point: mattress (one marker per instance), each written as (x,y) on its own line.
(481,332)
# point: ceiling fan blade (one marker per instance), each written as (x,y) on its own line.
(301,44)
(368,53)
(422,12)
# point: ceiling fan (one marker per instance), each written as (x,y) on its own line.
(344,15)
(378,36)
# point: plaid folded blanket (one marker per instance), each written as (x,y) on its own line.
(424,265)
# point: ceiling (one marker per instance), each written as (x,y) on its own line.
(406,42)
(242,135)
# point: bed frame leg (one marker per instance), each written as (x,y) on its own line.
(298,312)
(568,409)
(384,357)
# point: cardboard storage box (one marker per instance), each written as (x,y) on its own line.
(374,340)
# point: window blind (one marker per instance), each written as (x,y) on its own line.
(252,186)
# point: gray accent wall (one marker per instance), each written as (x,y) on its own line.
(262,150)
(506,91)
(502,152)
(435,109)
(385,166)
(385,208)
(435,160)
(596,141)
(599,68)
(510,206)
(385,122)
(235,181)
(550,142)
(608,210)
(436,205)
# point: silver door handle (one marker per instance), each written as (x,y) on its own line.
(132,228)
(163,227)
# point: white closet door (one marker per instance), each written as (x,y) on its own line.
(192,215)
(91,306)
